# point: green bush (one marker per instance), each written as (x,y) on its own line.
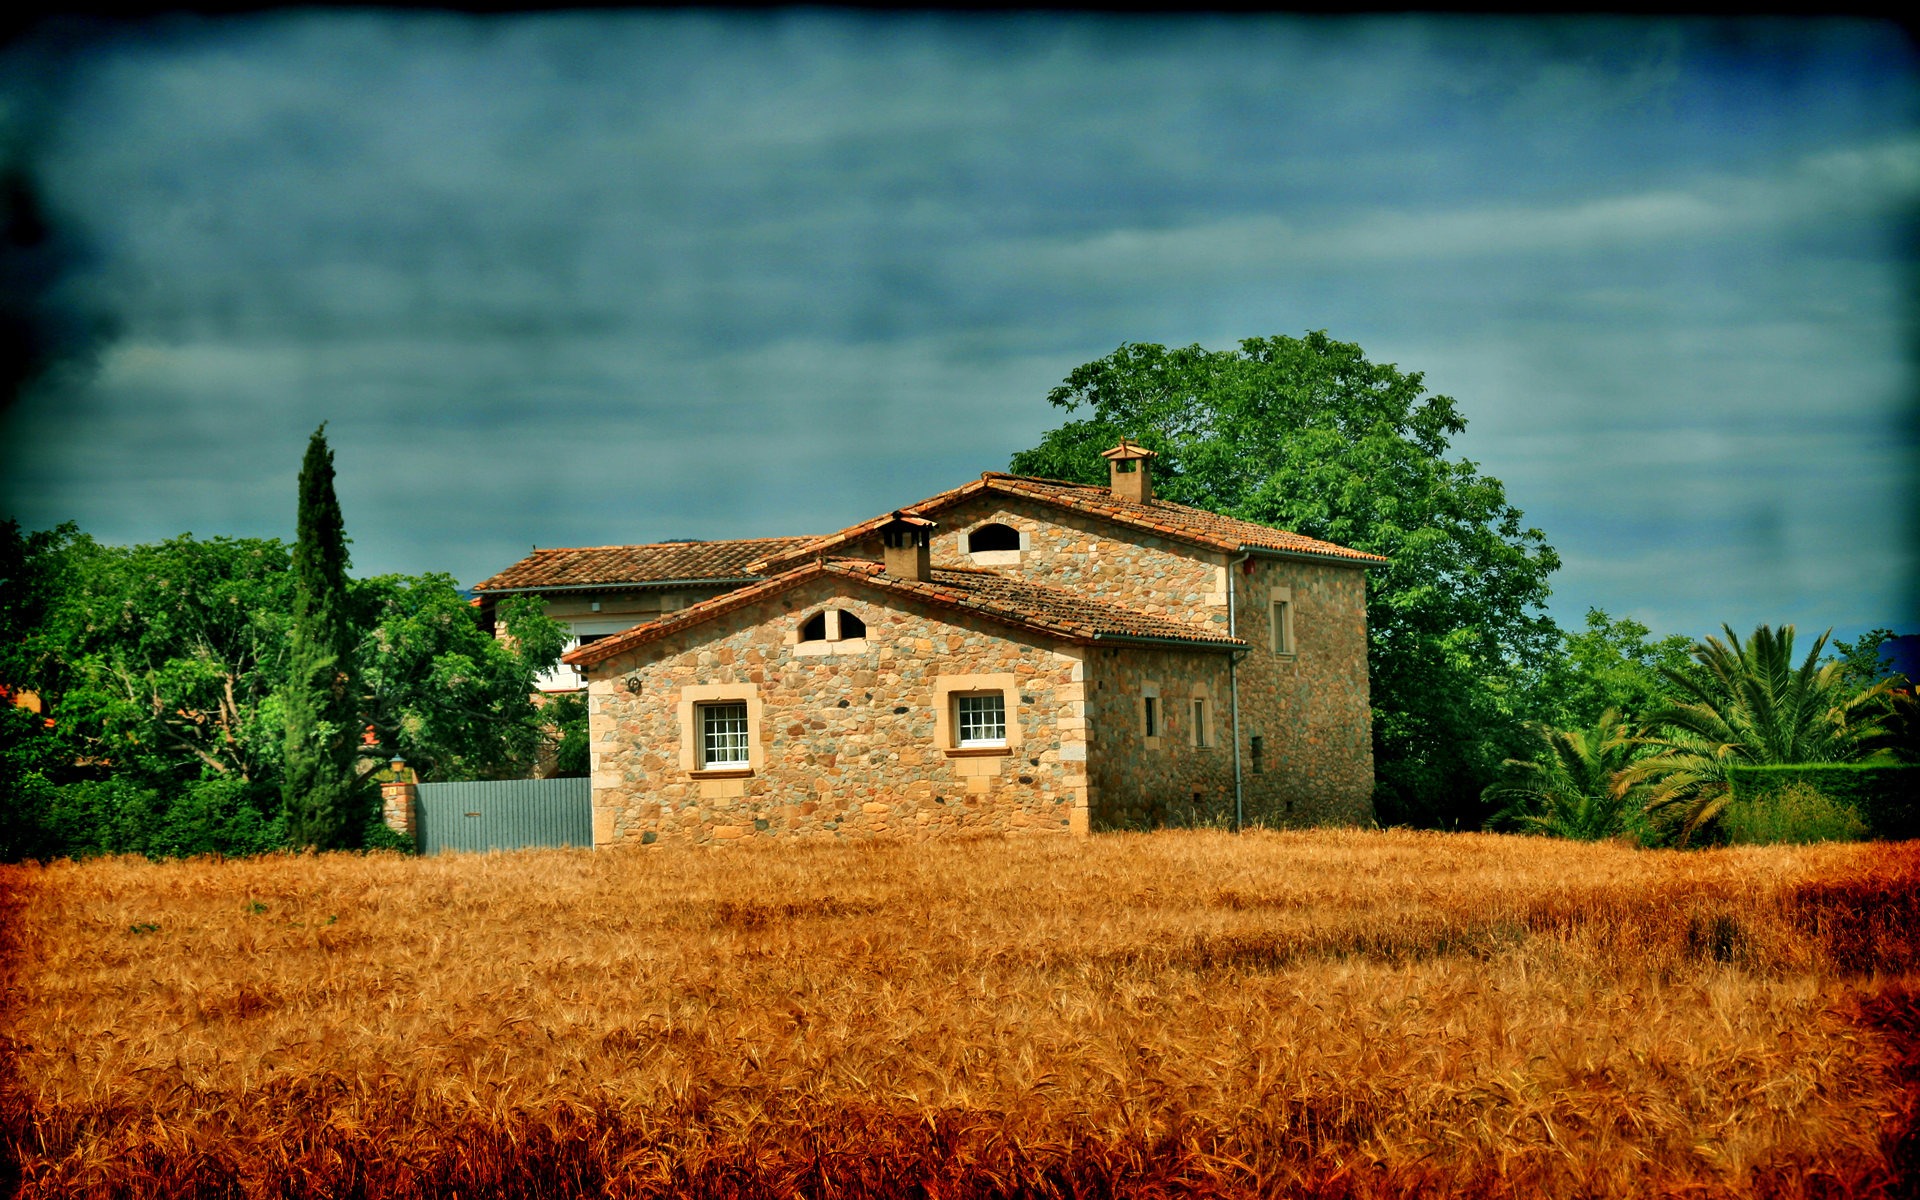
(1886,796)
(1794,813)
(381,836)
(115,816)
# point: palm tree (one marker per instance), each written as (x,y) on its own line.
(1748,705)
(1574,787)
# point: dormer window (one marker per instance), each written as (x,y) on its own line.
(829,626)
(995,544)
(993,537)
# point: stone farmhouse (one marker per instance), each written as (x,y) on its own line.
(1015,655)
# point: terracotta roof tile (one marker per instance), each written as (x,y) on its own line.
(1068,615)
(659,562)
(1177,521)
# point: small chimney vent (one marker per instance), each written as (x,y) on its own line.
(908,542)
(1128,472)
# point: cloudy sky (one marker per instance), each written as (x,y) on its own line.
(606,277)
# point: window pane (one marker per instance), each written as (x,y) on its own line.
(1153,716)
(851,626)
(1199,722)
(815,628)
(723,734)
(982,719)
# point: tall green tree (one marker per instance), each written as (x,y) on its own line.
(1307,434)
(442,692)
(171,656)
(1748,704)
(325,805)
(1610,663)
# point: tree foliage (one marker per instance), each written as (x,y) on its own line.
(1575,785)
(442,692)
(323,804)
(1748,704)
(1308,435)
(1860,662)
(172,654)
(163,669)
(1608,664)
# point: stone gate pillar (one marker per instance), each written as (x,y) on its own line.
(400,801)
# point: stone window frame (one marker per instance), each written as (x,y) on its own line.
(946,722)
(691,699)
(833,643)
(1201,734)
(1152,730)
(994,558)
(1280,622)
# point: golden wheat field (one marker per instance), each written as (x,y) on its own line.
(1173,1014)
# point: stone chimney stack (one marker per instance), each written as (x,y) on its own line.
(1129,473)
(908,541)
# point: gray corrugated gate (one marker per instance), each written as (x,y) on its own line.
(505,814)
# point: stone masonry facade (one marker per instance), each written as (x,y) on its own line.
(1072,550)
(852,737)
(1308,706)
(845,744)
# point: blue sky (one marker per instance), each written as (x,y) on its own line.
(608,277)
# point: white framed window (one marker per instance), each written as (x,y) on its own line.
(980,719)
(719,727)
(1282,627)
(723,735)
(977,714)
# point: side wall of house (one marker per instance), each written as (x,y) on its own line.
(1309,708)
(1178,776)
(849,739)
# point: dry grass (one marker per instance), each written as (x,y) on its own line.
(1330,1014)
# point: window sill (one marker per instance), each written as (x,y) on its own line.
(1286,655)
(979,751)
(825,649)
(721,773)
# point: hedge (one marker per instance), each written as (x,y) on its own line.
(1883,794)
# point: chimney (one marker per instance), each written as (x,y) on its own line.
(1128,472)
(907,540)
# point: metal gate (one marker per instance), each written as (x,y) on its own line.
(505,814)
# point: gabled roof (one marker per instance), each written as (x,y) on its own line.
(656,563)
(1180,522)
(1067,615)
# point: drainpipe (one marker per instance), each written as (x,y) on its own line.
(1233,690)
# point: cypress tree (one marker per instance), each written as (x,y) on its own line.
(319,792)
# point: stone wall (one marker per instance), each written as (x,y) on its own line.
(845,743)
(1085,553)
(1172,778)
(1309,708)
